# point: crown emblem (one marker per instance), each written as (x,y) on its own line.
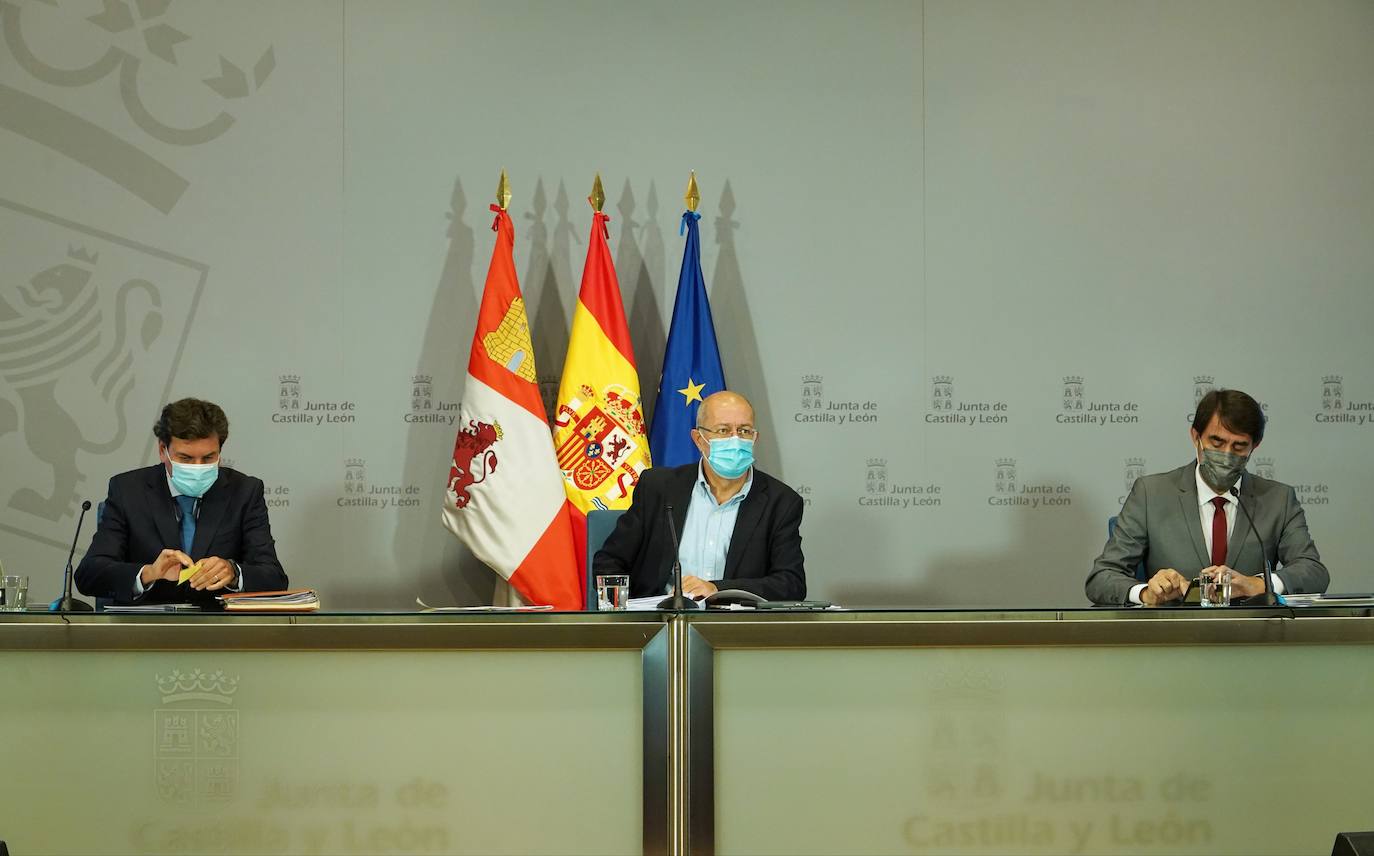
(81,254)
(942,378)
(422,378)
(1264,462)
(1332,378)
(355,462)
(1073,379)
(1006,462)
(877,462)
(290,378)
(1135,462)
(811,378)
(196,685)
(1203,378)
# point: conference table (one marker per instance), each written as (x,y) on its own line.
(965,731)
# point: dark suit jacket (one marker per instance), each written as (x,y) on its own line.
(765,555)
(1160,525)
(140,521)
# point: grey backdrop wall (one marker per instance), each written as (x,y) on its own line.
(973,261)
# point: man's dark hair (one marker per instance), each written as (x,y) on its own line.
(1239,413)
(191,419)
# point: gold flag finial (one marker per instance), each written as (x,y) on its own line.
(598,197)
(693,196)
(503,192)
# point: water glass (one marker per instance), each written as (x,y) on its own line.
(1216,587)
(14,594)
(612,592)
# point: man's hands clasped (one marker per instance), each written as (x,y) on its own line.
(212,573)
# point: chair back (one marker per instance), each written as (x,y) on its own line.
(600,525)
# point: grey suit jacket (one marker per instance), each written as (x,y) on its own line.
(1160,525)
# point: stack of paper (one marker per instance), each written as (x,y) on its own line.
(291,600)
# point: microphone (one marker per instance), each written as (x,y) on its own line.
(66,603)
(1268,598)
(674,600)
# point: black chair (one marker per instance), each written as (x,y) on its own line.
(600,525)
(100,602)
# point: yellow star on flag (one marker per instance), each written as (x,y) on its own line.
(692,392)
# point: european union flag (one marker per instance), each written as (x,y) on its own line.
(691,361)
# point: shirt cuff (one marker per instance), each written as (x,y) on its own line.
(237,583)
(1278,583)
(138,582)
(1134,596)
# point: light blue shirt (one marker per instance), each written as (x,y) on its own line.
(707,530)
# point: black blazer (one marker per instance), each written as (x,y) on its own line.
(140,521)
(765,555)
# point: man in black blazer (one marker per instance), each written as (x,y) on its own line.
(185,511)
(740,528)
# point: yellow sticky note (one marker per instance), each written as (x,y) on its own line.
(187,573)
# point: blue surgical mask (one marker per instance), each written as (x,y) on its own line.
(731,457)
(194,479)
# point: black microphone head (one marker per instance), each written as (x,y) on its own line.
(86,506)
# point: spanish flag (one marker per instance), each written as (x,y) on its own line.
(599,431)
(503,497)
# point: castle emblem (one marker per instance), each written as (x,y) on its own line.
(942,393)
(876,481)
(1073,393)
(196,737)
(1006,475)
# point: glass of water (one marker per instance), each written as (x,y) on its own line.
(612,592)
(14,594)
(1216,587)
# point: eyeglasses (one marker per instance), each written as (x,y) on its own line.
(744,432)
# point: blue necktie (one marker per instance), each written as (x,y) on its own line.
(188,522)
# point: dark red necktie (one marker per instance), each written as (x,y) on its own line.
(1219,531)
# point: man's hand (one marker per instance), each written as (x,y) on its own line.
(214,574)
(167,566)
(1165,586)
(697,588)
(1243,585)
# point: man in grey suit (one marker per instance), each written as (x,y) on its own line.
(1207,516)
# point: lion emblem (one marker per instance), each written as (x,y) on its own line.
(473,459)
(47,326)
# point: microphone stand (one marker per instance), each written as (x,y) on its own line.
(1269,598)
(675,600)
(67,603)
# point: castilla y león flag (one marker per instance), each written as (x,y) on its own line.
(505,497)
(599,429)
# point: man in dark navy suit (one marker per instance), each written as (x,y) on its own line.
(185,511)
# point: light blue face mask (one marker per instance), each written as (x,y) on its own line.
(731,457)
(194,479)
